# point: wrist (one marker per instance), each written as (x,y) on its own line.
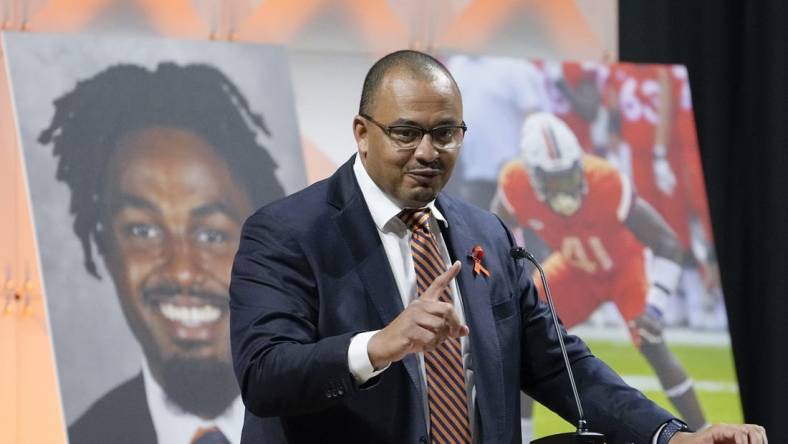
(359,363)
(375,350)
(680,437)
(673,432)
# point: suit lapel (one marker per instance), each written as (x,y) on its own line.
(485,350)
(371,263)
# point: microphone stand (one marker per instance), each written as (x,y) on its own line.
(581,435)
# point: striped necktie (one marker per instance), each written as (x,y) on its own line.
(209,435)
(446,395)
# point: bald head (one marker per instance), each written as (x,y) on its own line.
(412,64)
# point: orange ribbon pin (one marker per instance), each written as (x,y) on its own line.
(477,254)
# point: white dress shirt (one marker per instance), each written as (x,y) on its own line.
(395,237)
(173,425)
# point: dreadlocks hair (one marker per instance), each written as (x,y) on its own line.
(415,63)
(90,120)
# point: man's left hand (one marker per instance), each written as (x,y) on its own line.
(724,434)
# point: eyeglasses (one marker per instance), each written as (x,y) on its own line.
(408,137)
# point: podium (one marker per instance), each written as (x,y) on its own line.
(572,438)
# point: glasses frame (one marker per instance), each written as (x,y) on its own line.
(387,130)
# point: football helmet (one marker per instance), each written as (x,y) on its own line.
(553,158)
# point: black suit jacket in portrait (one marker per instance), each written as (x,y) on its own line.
(311,272)
(122,416)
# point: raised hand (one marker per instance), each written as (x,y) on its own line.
(724,434)
(422,326)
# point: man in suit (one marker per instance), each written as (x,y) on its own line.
(370,308)
(161,191)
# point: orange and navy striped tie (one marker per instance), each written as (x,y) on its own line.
(446,395)
(209,435)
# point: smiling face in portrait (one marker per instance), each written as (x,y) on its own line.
(411,177)
(172,216)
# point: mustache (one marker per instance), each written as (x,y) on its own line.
(436,166)
(165,290)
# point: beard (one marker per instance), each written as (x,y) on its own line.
(202,387)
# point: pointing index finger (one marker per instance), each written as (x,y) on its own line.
(441,282)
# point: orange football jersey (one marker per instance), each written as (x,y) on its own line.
(638,90)
(594,239)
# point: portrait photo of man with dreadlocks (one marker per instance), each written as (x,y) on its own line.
(163,162)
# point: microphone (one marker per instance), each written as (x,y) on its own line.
(582,435)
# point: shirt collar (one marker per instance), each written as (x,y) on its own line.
(381,206)
(173,424)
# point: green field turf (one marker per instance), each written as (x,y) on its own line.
(711,367)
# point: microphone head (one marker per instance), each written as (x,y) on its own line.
(518,253)
(521,253)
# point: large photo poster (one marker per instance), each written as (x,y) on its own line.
(596,169)
(143,158)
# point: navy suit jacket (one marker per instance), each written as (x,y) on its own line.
(311,272)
